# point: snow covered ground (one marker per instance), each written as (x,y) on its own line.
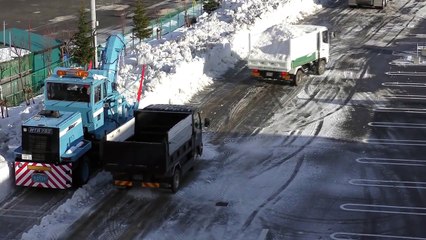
(178,66)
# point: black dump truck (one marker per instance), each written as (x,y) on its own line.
(156,148)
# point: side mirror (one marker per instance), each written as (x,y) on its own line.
(332,34)
(206,122)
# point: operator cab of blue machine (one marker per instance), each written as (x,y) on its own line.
(77,90)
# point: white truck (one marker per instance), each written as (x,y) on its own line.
(372,3)
(289,52)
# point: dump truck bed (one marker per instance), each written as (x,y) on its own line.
(281,48)
(156,135)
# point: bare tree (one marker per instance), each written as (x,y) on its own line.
(3,105)
(3,108)
(66,47)
(47,54)
(19,52)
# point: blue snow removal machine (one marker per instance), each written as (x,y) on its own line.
(60,144)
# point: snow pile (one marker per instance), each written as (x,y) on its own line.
(7,54)
(5,185)
(62,18)
(178,69)
(10,127)
(274,43)
(114,7)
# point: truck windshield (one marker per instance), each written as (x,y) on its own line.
(68,92)
(325,37)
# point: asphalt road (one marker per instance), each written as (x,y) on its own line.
(58,18)
(370,186)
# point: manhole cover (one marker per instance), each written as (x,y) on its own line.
(222,204)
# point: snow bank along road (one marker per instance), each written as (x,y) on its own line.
(339,157)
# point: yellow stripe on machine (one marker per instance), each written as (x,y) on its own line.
(150,185)
(39,168)
(123,183)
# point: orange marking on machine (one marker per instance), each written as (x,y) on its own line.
(150,185)
(39,168)
(123,183)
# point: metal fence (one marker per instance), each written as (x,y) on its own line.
(166,24)
(19,87)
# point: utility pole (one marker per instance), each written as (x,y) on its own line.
(94,25)
(4,33)
(10,43)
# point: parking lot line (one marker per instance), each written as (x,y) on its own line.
(387,183)
(398,73)
(405,97)
(393,161)
(400,110)
(351,235)
(376,208)
(397,125)
(396,142)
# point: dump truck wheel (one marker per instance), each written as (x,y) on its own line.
(298,78)
(321,67)
(200,149)
(175,181)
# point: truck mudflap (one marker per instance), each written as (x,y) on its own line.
(43,175)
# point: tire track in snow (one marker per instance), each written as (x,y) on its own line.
(98,215)
(253,215)
(26,207)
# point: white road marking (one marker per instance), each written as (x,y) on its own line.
(393,161)
(397,125)
(396,142)
(349,235)
(419,74)
(263,235)
(20,216)
(409,97)
(17,213)
(373,208)
(387,183)
(401,110)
